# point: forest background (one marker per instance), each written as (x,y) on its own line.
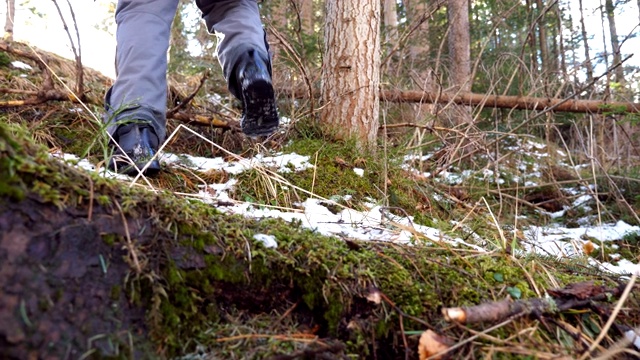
(458,80)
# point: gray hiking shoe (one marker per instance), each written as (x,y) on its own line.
(140,143)
(255,90)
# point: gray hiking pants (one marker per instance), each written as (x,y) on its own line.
(139,92)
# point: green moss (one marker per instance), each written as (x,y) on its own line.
(115,292)
(5,60)
(11,186)
(333,177)
(109,239)
(103,200)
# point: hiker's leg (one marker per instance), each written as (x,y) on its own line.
(239,28)
(140,90)
(243,52)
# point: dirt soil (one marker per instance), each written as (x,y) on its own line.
(61,283)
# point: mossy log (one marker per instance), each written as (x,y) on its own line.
(92,268)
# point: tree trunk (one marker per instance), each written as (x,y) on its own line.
(305,11)
(605,53)
(460,52)
(459,44)
(559,54)
(585,43)
(615,44)
(416,10)
(390,21)
(351,70)
(533,60)
(542,38)
(420,62)
(8,24)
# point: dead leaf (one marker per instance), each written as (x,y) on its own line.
(432,343)
(374,296)
(588,247)
(360,162)
(422,207)
(342,162)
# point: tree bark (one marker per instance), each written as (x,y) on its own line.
(459,44)
(416,13)
(351,71)
(559,52)
(305,11)
(546,38)
(460,53)
(585,43)
(8,24)
(615,44)
(420,62)
(390,21)
(533,43)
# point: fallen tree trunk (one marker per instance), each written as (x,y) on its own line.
(511,102)
(48,93)
(495,101)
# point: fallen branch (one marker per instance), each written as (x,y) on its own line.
(183,104)
(326,351)
(40,97)
(574,296)
(202,120)
(471,99)
(511,102)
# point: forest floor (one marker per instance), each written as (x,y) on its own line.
(299,247)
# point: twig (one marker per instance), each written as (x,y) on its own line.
(401,42)
(76,52)
(399,311)
(293,337)
(468,340)
(79,67)
(289,311)
(296,58)
(612,318)
(183,104)
(495,311)
(129,245)
(311,353)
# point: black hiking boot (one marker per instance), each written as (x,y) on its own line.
(140,143)
(255,90)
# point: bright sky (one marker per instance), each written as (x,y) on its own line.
(97,28)
(45,30)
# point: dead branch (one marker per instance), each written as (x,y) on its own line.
(511,102)
(296,58)
(496,101)
(574,296)
(202,120)
(426,15)
(183,104)
(328,351)
(76,52)
(39,98)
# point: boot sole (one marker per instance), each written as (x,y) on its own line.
(125,167)
(260,115)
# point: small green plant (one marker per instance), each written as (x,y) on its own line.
(5,60)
